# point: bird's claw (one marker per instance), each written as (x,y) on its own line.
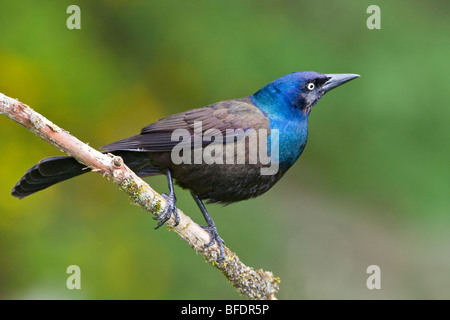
(215,238)
(169,209)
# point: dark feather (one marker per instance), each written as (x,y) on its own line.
(230,114)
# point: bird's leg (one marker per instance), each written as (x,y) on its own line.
(211,228)
(171,207)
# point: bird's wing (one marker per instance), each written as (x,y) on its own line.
(223,117)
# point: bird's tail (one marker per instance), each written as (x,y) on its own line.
(50,171)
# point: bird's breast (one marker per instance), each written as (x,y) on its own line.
(292,137)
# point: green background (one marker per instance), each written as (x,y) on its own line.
(372,186)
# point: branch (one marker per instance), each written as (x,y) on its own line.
(253,284)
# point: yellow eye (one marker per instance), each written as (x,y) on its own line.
(310,86)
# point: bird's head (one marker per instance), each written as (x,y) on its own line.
(299,90)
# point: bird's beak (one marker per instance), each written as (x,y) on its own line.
(335,80)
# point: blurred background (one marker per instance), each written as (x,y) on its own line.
(371,188)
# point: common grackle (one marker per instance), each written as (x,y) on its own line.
(277,114)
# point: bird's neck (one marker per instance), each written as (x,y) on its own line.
(289,120)
(278,102)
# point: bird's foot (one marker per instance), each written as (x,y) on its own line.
(215,238)
(169,209)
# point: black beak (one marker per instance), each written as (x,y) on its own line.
(335,80)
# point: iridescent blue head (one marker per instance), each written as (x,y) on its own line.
(298,91)
(287,103)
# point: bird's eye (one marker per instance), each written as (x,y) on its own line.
(310,86)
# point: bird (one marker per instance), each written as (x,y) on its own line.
(278,113)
